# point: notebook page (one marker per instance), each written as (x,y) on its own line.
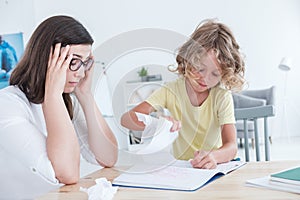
(170,177)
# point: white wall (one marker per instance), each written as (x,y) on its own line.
(266,30)
(17,16)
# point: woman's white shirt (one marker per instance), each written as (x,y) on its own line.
(24,164)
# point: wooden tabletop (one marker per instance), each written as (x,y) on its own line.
(230,186)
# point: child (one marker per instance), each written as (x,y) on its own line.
(200,101)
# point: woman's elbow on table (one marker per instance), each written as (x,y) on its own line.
(68,177)
(108,163)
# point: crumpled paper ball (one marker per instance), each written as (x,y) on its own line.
(103,190)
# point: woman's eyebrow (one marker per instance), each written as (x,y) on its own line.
(79,56)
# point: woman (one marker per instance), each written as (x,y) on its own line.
(48,113)
(200,101)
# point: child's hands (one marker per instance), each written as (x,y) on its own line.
(176,124)
(58,64)
(203,160)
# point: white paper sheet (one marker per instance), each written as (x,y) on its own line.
(157,135)
(266,183)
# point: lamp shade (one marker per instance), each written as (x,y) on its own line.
(285,64)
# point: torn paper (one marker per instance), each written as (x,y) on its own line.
(103,190)
(156,135)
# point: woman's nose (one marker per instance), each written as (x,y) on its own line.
(80,72)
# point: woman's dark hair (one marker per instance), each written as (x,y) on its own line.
(30,73)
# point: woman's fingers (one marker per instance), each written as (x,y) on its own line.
(54,55)
(50,57)
(88,73)
(62,57)
(59,56)
(67,61)
(58,62)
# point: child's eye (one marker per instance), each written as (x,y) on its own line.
(200,70)
(216,74)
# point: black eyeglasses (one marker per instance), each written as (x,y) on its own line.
(76,63)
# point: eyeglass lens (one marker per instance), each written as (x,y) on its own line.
(76,63)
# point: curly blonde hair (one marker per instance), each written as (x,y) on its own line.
(215,36)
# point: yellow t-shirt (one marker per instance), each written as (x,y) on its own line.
(201,126)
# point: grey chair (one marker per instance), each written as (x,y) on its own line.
(249,106)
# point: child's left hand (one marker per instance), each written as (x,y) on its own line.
(176,124)
(203,160)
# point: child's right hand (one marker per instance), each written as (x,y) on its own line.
(58,64)
(176,124)
(204,160)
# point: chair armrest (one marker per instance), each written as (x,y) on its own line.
(243,101)
(254,112)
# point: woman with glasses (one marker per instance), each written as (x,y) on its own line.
(48,114)
(200,101)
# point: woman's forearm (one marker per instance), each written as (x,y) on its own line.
(62,143)
(101,139)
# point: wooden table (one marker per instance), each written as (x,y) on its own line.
(230,186)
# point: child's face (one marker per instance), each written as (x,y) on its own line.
(207,73)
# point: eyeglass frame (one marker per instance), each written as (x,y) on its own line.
(84,63)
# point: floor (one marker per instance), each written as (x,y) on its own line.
(280,149)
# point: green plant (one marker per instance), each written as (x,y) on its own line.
(143,72)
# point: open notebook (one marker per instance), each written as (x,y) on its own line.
(178,176)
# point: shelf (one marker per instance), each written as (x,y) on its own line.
(137,92)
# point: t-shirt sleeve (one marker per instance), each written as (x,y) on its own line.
(225,111)
(22,140)
(158,98)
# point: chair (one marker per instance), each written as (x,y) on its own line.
(244,101)
(251,105)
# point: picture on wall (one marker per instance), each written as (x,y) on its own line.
(11,49)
